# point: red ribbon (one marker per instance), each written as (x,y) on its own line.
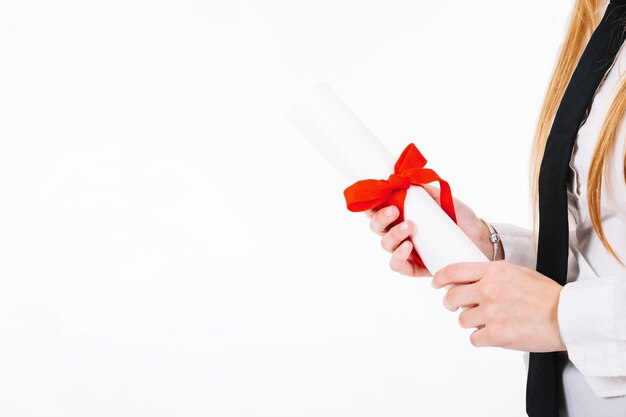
(408,170)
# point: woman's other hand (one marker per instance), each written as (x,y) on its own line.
(511,306)
(395,239)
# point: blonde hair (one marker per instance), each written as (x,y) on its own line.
(584,19)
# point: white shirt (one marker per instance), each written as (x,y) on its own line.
(592,305)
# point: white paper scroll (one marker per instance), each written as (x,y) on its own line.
(339,136)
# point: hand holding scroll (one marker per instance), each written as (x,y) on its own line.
(396,239)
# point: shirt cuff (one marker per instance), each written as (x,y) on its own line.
(592,325)
(518,244)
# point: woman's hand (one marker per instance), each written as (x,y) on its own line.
(511,306)
(393,238)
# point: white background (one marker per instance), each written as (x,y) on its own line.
(169,246)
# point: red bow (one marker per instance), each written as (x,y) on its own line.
(409,170)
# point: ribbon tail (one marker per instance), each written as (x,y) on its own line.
(426,176)
(446,200)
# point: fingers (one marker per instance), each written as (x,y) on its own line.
(472,317)
(394,237)
(481,337)
(381,219)
(401,263)
(400,257)
(460,273)
(461,296)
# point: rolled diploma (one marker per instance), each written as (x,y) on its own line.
(342,139)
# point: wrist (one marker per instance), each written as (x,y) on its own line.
(479,234)
(554,319)
(488,240)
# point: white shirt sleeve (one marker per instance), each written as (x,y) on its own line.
(592,324)
(518,244)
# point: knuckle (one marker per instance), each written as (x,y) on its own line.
(453,269)
(382,220)
(451,296)
(394,232)
(490,314)
(442,275)
(373,226)
(393,264)
(474,339)
(384,242)
(400,255)
(488,291)
(376,225)
(463,320)
(393,238)
(485,291)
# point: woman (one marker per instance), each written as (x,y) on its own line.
(509,302)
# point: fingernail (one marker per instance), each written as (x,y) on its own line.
(404,226)
(406,245)
(389,212)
